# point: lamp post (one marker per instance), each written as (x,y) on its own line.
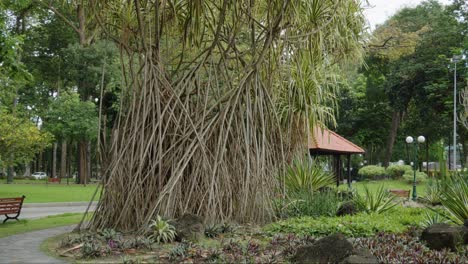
(409,140)
(455,59)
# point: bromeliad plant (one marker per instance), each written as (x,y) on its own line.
(380,201)
(163,232)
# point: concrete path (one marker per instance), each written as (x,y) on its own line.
(24,248)
(32,211)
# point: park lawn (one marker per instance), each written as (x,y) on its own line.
(388,184)
(13,227)
(49,193)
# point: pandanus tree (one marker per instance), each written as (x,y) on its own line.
(217,95)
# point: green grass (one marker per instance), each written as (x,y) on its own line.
(13,227)
(388,184)
(48,193)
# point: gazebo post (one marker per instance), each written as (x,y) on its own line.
(349,171)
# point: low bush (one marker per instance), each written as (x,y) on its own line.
(420,176)
(358,225)
(372,172)
(397,171)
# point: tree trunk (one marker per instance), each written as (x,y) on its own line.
(27,170)
(63,160)
(11,171)
(54,161)
(391,137)
(82,162)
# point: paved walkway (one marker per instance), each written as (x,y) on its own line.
(31,211)
(24,248)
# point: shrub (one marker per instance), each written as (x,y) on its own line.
(420,176)
(303,176)
(358,225)
(372,172)
(378,202)
(397,171)
(163,232)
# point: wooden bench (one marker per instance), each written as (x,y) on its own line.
(54,180)
(10,206)
(401,193)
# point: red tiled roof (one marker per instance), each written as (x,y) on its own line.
(325,140)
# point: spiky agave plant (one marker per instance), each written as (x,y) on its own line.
(379,201)
(163,232)
(454,199)
(305,175)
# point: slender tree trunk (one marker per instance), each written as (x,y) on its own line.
(63,159)
(391,137)
(54,161)
(82,162)
(27,169)
(11,172)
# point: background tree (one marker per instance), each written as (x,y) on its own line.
(20,141)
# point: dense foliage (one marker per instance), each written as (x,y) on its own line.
(396,171)
(420,176)
(372,172)
(359,225)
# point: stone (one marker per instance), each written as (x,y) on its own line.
(359,256)
(439,236)
(189,227)
(330,249)
(347,208)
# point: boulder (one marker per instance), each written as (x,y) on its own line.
(359,256)
(189,227)
(347,208)
(331,249)
(439,236)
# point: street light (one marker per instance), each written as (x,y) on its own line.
(409,140)
(455,59)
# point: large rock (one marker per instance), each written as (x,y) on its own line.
(347,208)
(439,236)
(189,227)
(361,256)
(331,249)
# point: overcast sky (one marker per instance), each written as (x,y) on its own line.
(380,10)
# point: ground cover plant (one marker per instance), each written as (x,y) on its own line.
(50,193)
(406,248)
(358,225)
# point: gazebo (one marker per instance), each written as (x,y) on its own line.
(323,142)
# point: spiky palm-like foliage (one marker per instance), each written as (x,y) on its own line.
(304,176)
(454,199)
(163,232)
(379,201)
(216,95)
